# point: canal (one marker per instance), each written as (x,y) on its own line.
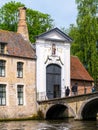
(69,124)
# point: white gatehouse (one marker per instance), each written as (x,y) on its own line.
(53,64)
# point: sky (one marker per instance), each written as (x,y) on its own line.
(63,12)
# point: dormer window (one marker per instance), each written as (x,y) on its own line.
(2,48)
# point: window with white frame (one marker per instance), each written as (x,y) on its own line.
(2,94)
(20,94)
(19,69)
(2,68)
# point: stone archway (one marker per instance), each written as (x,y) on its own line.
(89,110)
(53,81)
(59,111)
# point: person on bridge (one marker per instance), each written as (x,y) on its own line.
(75,89)
(67,91)
(93,89)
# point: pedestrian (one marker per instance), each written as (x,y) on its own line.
(93,89)
(75,89)
(67,91)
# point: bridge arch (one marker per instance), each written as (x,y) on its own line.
(89,109)
(59,111)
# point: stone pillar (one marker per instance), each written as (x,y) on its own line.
(22,25)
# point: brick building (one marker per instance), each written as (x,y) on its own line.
(17,74)
(80,75)
(26,74)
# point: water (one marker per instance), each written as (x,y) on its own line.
(49,125)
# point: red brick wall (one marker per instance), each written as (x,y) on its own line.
(83,86)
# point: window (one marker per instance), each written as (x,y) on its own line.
(2,94)
(2,68)
(2,48)
(19,69)
(20,94)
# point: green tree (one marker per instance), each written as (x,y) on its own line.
(37,22)
(85,35)
(9,16)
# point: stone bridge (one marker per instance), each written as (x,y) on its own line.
(81,107)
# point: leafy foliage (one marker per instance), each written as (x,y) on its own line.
(85,35)
(9,16)
(37,22)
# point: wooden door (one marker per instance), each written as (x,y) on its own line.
(53,81)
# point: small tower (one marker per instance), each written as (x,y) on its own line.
(22,25)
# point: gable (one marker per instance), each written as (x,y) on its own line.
(55,34)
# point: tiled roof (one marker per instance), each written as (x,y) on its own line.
(78,71)
(16,45)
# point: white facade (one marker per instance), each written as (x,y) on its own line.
(52,47)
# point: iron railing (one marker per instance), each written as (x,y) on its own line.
(50,95)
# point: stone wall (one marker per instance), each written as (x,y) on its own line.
(12,109)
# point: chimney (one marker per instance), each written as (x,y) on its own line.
(22,25)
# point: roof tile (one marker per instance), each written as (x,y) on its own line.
(78,71)
(16,45)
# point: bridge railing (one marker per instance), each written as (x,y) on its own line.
(49,95)
(43,96)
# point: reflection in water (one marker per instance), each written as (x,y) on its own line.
(49,125)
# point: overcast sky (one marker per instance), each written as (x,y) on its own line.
(64,12)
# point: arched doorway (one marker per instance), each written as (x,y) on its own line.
(53,81)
